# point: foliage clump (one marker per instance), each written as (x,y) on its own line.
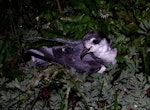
(124,86)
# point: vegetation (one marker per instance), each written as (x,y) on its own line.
(125,86)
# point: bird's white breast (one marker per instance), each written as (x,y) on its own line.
(107,54)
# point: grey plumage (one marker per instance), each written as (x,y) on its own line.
(68,55)
(65,55)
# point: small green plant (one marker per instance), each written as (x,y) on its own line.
(124,86)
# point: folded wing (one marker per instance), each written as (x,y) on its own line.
(68,55)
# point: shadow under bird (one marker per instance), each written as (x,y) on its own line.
(75,54)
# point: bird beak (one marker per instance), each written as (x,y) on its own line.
(84,52)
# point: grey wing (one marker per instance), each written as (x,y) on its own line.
(65,55)
(70,56)
(43,55)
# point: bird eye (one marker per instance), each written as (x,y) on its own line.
(95,41)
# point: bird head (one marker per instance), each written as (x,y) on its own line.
(93,41)
(98,44)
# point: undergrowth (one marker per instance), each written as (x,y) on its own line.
(125,86)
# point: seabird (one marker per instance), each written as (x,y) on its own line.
(74,54)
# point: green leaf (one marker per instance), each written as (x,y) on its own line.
(116,101)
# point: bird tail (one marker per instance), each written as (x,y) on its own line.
(41,56)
